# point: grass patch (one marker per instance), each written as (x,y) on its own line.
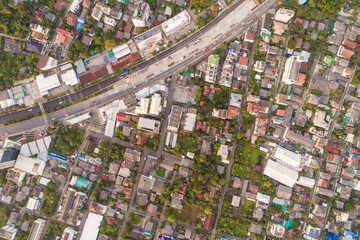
(187,143)
(5,211)
(256,156)
(190,213)
(248,209)
(161,172)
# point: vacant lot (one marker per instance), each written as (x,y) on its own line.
(187,143)
(257,156)
(189,213)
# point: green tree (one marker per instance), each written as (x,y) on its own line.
(109,44)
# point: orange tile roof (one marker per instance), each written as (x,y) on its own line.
(252,106)
(301,79)
(346,53)
(349,71)
(349,43)
(280,113)
(61,38)
(232,112)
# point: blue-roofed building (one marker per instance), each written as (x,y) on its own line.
(313,232)
(34,46)
(80,23)
(82,183)
(165,238)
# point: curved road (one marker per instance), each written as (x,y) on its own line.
(106,83)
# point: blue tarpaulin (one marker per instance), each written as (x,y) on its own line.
(57,157)
(351,234)
(332,236)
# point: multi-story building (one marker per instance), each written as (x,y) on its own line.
(141,15)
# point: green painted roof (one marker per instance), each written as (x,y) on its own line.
(214,60)
(289,224)
(288,91)
(328,60)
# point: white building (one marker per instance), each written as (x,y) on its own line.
(37,229)
(235,100)
(109,128)
(46,83)
(190,122)
(288,157)
(110,21)
(33,204)
(8,232)
(284,15)
(121,51)
(223,152)
(33,165)
(46,63)
(144,106)
(70,78)
(69,234)
(292,69)
(75,6)
(141,14)
(155,106)
(305,181)
(91,228)
(176,23)
(147,124)
(281,173)
(149,39)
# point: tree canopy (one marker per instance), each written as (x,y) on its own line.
(68,139)
(14,21)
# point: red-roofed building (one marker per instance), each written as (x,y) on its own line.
(253,108)
(157,23)
(345,53)
(243,62)
(349,43)
(280,113)
(254,188)
(249,36)
(200,126)
(263,109)
(112,221)
(105,177)
(200,196)
(141,139)
(300,21)
(71,19)
(62,31)
(39,15)
(120,117)
(333,147)
(74,33)
(298,42)
(201,103)
(91,76)
(152,209)
(209,221)
(183,189)
(259,168)
(97,169)
(206,89)
(348,72)
(233,112)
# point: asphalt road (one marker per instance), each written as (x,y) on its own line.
(111,95)
(106,83)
